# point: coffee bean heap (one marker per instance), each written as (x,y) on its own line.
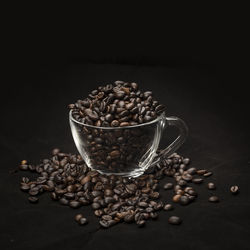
(117,105)
(113,198)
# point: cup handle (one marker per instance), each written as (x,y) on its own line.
(183,132)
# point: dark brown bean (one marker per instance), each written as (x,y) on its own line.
(174,220)
(234,189)
(211,185)
(213,199)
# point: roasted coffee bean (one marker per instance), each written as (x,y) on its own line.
(98,212)
(69,196)
(107,217)
(201,171)
(33,191)
(174,220)
(82,221)
(154,215)
(197,180)
(64,201)
(207,174)
(213,199)
(78,217)
(234,189)
(114,154)
(168,207)
(184,200)
(33,199)
(211,185)
(74,204)
(25,187)
(168,186)
(141,223)
(85,179)
(186,161)
(191,171)
(176,198)
(154,195)
(143,204)
(96,205)
(129,218)
(107,224)
(187,177)
(91,114)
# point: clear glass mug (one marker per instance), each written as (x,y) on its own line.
(125,151)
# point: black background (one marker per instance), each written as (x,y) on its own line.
(207,92)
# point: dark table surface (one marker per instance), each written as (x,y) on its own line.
(34,120)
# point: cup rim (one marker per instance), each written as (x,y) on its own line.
(112,128)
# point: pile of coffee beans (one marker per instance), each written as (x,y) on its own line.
(117,105)
(113,198)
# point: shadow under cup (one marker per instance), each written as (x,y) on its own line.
(126,151)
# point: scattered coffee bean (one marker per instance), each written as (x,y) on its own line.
(174,220)
(168,207)
(213,199)
(113,198)
(184,200)
(197,180)
(201,171)
(176,198)
(74,204)
(207,174)
(234,189)
(211,185)
(82,221)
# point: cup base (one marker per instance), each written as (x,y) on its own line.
(133,174)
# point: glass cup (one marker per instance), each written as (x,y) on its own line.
(125,151)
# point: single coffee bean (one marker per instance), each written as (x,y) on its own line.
(141,223)
(184,200)
(124,124)
(33,191)
(168,207)
(129,218)
(191,171)
(85,179)
(211,185)
(96,205)
(207,174)
(143,204)
(176,198)
(107,217)
(197,180)
(234,189)
(64,201)
(213,199)
(74,204)
(186,161)
(114,154)
(91,114)
(201,171)
(187,177)
(115,123)
(82,221)
(174,220)
(24,187)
